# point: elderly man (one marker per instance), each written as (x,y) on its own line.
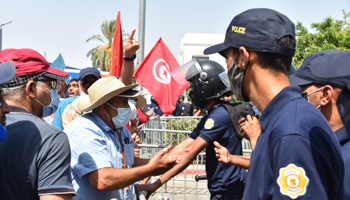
(321,78)
(297,154)
(34,157)
(7,71)
(103,163)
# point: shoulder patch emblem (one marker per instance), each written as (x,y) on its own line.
(292,181)
(209,123)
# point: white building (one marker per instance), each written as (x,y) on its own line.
(193,45)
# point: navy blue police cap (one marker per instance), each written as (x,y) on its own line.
(330,67)
(257,30)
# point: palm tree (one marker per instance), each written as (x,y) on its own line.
(101,55)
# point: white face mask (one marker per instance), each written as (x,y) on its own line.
(122,118)
(55,100)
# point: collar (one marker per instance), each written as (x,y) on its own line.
(19,109)
(100,122)
(341,136)
(278,102)
(214,106)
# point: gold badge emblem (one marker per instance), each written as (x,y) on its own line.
(209,123)
(292,181)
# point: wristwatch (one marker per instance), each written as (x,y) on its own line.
(129,59)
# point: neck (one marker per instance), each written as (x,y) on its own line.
(265,85)
(330,111)
(22,104)
(105,118)
(210,103)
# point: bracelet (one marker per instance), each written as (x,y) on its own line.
(129,59)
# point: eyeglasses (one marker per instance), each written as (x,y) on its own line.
(1,98)
(53,82)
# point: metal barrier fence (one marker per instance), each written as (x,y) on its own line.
(158,133)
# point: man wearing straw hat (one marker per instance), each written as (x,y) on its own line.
(103,163)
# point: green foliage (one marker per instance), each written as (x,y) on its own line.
(101,55)
(185,124)
(329,34)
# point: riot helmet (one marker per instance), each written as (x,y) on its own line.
(208,80)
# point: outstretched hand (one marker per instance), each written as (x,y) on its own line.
(131,45)
(161,162)
(222,153)
(250,129)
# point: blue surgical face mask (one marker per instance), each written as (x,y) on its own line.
(133,102)
(3,132)
(55,100)
(122,118)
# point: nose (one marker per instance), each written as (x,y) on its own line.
(5,108)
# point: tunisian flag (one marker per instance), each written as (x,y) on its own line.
(154,74)
(117,50)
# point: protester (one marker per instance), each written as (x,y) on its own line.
(102,148)
(74,110)
(224,181)
(34,157)
(73,87)
(188,111)
(295,139)
(7,71)
(89,75)
(321,84)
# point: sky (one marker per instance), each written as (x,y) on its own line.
(52,27)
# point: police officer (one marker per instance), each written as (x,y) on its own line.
(224,181)
(321,78)
(297,154)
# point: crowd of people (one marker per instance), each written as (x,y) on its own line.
(83,144)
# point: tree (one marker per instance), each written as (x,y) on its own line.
(101,55)
(330,34)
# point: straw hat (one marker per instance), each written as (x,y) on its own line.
(105,89)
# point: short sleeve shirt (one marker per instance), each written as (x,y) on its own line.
(223,179)
(94,146)
(297,154)
(34,158)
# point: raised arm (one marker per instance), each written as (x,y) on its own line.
(131,47)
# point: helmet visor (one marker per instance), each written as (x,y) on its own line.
(185,72)
(224,78)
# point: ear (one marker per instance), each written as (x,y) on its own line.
(327,93)
(244,60)
(30,89)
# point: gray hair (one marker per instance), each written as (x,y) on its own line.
(14,93)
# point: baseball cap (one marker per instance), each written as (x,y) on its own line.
(7,71)
(330,67)
(257,30)
(29,66)
(89,71)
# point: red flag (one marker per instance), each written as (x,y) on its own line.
(154,75)
(117,50)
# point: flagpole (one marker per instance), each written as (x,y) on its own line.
(141,37)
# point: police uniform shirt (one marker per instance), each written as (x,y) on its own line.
(297,154)
(343,104)
(345,147)
(222,179)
